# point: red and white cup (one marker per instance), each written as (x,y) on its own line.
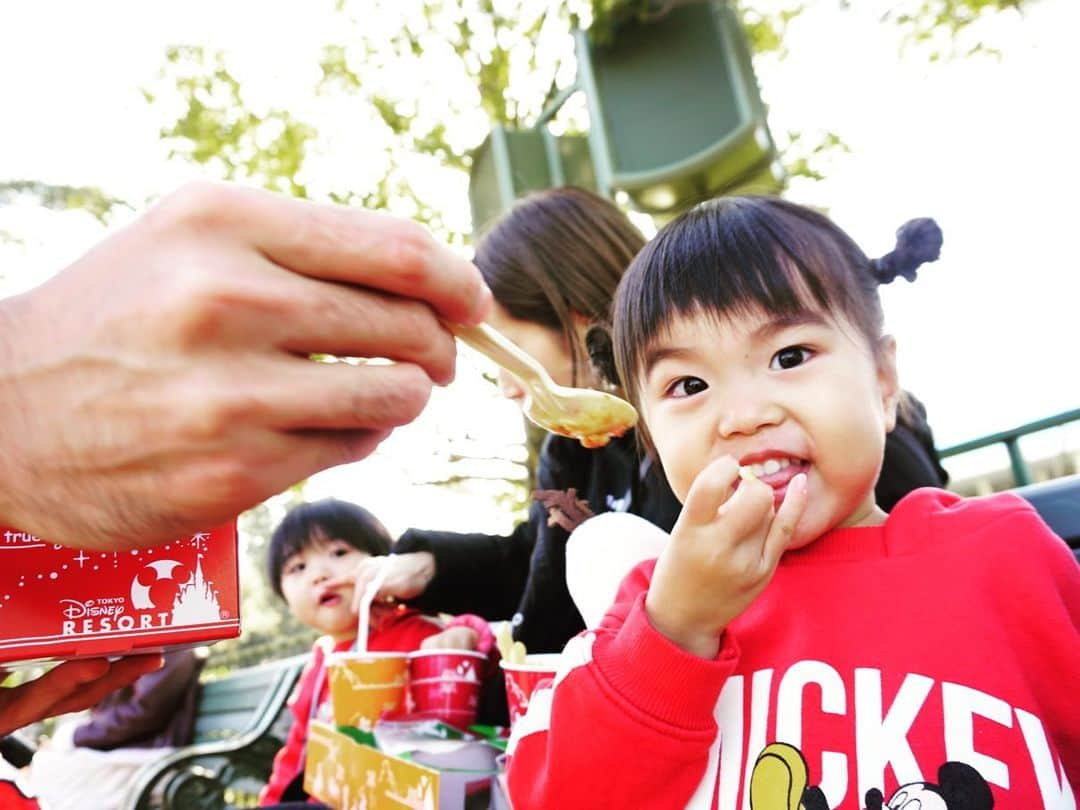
(524,679)
(448,664)
(444,684)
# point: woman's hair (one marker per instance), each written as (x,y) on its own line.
(557,253)
(322,521)
(733,256)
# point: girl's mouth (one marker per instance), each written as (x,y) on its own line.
(330,599)
(775,472)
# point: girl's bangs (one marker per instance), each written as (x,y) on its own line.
(724,262)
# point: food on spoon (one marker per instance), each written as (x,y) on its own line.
(603,418)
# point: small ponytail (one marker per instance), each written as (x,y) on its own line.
(917,241)
(602,353)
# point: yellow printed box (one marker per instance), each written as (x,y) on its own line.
(430,775)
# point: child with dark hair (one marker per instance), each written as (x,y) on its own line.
(794,645)
(312,556)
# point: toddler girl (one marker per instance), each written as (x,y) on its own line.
(794,646)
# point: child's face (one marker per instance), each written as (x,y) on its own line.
(781,397)
(317,583)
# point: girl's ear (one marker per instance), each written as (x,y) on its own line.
(888,379)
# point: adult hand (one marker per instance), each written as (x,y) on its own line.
(162,384)
(406,576)
(69,687)
(722,553)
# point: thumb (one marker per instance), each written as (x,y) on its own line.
(710,490)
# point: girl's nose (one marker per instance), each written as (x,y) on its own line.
(510,387)
(318,571)
(745,415)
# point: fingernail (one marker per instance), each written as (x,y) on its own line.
(483,304)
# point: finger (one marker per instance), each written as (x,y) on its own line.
(782,530)
(710,490)
(360,323)
(314,317)
(224,484)
(338,243)
(296,394)
(71,685)
(121,673)
(360,585)
(747,511)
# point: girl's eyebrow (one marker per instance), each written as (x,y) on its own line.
(770,327)
(781,322)
(658,354)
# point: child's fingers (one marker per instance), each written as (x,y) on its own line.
(787,518)
(362,576)
(745,513)
(710,490)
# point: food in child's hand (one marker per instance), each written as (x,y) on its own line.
(517,653)
(504,640)
(746,474)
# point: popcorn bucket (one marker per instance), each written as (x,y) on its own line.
(366,685)
(445,685)
(523,679)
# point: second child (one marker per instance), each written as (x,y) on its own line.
(311,564)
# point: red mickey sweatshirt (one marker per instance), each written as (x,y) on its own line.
(875,655)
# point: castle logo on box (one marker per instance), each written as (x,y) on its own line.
(52,596)
(164,593)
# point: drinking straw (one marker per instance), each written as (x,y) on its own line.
(365,603)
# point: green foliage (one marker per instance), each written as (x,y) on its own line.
(805,152)
(217,130)
(941,25)
(61,198)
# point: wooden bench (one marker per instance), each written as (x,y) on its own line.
(240,723)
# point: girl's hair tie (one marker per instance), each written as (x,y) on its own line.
(917,241)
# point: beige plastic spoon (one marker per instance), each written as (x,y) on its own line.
(591,417)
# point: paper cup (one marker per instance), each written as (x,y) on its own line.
(365,686)
(523,679)
(451,700)
(446,664)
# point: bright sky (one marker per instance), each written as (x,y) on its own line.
(986,336)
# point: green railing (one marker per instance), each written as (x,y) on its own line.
(1010,438)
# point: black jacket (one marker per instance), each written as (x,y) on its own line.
(523,575)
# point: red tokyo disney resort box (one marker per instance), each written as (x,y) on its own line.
(58,602)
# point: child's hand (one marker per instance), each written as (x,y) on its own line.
(457,637)
(722,553)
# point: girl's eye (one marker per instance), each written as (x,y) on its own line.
(686,387)
(789,357)
(294,567)
(341,551)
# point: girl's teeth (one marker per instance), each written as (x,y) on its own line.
(770,466)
